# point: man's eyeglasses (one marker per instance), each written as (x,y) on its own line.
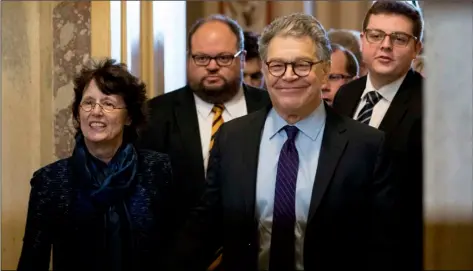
(88,106)
(399,39)
(300,68)
(223,60)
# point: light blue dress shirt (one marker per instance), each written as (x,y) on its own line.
(308,143)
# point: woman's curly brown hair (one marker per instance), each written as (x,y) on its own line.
(114,78)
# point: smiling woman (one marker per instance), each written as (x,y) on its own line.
(97,208)
(120,97)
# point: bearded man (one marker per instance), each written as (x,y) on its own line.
(183,122)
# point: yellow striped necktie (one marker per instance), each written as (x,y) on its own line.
(216,123)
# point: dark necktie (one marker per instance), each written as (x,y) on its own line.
(372,98)
(282,251)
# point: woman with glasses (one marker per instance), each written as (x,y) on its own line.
(106,207)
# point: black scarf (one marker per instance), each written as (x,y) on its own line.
(100,211)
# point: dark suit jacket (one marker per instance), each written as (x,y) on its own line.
(50,214)
(350,212)
(403,127)
(174,129)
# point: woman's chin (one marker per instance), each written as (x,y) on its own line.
(95,137)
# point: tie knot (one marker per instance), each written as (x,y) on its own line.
(291,131)
(218,108)
(373,97)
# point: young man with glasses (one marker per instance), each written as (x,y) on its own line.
(183,123)
(390,98)
(343,69)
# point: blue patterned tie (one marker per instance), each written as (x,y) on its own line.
(372,98)
(284,216)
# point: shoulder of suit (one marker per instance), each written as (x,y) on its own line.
(417,78)
(165,98)
(358,129)
(153,163)
(357,84)
(243,122)
(254,89)
(151,157)
(53,173)
(258,91)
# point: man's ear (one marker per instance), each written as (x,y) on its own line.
(419,47)
(325,71)
(326,67)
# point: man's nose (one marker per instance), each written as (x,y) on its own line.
(387,42)
(213,65)
(289,74)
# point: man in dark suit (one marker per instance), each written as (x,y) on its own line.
(183,122)
(294,186)
(390,98)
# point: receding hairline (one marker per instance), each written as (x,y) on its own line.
(232,25)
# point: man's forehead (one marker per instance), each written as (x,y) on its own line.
(338,61)
(390,23)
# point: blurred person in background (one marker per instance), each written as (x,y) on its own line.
(252,73)
(349,39)
(418,65)
(109,205)
(343,69)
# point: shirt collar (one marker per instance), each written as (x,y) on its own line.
(205,109)
(309,126)
(387,91)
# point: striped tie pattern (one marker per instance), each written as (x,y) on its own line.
(372,98)
(282,250)
(216,123)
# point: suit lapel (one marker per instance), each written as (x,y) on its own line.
(250,154)
(399,105)
(188,123)
(354,97)
(255,98)
(333,146)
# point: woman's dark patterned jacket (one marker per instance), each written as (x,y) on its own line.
(49,219)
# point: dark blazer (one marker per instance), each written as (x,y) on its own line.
(174,129)
(350,212)
(403,127)
(50,214)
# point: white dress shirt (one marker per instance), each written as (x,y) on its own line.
(234,108)
(387,92)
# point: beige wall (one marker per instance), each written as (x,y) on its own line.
(43,44)
(27,138)
(332,14)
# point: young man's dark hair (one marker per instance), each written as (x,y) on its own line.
(399,8)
